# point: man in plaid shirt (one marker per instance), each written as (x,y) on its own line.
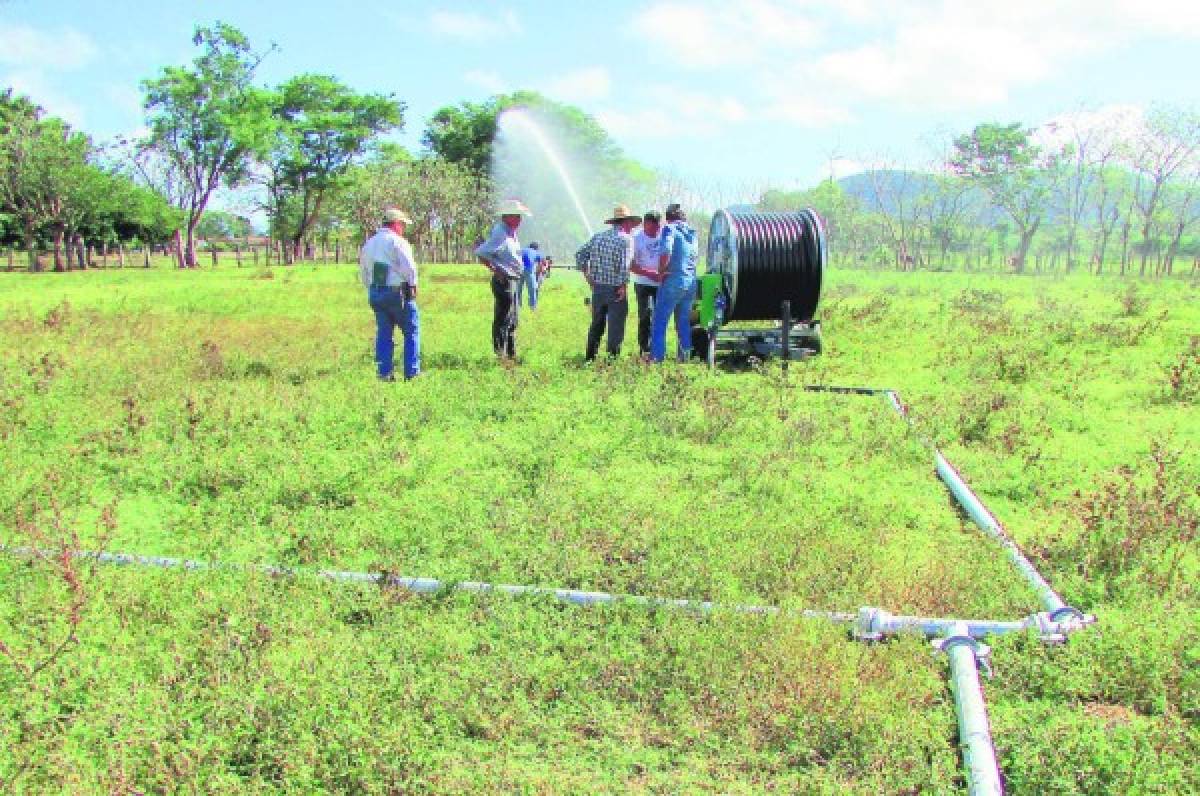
(604,261)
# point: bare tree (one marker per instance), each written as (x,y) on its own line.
(1169,141)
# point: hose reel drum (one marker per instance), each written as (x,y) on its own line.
(762,267)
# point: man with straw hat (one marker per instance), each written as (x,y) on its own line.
(604,261)
(389,273)
(501,253)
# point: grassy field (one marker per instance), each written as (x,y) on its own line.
(233,416)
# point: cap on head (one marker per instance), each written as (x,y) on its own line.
(534,245)
(675,212)
(622,213)
(393,214)
(652,217)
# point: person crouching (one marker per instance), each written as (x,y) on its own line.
(389,273)
(605,261)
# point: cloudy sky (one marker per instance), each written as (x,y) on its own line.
(753,91)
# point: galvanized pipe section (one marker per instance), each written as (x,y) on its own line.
(868,623)
(1050,599)
(974,732)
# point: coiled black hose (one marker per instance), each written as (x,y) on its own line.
(766,259)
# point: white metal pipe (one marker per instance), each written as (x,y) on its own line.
(974,732)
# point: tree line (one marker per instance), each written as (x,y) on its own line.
(1119,195)
(314,158)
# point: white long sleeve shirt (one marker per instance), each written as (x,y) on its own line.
(646,251)
(385,246)
(503,250)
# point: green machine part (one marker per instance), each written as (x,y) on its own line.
(710,287)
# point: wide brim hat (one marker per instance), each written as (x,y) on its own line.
(513,207)
(394,214)
(622,213)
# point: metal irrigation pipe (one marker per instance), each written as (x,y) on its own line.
(867,624)
(974,732)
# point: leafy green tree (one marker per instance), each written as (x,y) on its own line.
(1015,174)
(321,127)
(219,224)
(207,121)
(44,177)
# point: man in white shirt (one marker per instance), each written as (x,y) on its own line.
(646,252)
(389,273)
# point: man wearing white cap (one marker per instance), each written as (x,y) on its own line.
(501,252)
(389,273)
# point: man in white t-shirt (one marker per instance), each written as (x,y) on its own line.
(645,274)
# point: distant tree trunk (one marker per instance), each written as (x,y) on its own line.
(31,246)
(1023,247)
(146,256)
(337,251)
(10,257)
(1173,248)
(180,259)
(81,254)
(190,251)
(120,254)
(1125,247)
(56,243)
(237,254)
(254,255)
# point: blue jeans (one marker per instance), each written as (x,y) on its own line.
(392,310)
(529,281)
(675,298)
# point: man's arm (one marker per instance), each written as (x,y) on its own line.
(364,267)
(493,243)
(668,244)
(406,263)
(623,290)
(583,259)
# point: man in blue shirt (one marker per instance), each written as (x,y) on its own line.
(679,249)
(531,262)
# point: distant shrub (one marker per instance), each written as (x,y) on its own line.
(1124,333)
(1133,303)
(212,362)
(1138,522)
(979,301)
(1183,377)
(58,316)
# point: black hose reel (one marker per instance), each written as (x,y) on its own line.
(763,267)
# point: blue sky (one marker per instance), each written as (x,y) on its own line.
(743,94)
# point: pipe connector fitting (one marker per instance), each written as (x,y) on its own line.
(1054,627)
(981,651)
(870,624)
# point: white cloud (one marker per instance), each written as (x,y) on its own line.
(487,80)
(473,26)
(834,55)
(62,50)
(722,34)
(688,114)
(581,85)
(35,85)
(1098,129)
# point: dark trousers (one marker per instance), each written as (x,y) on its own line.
(608,310)
(504,320)
(645,306)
